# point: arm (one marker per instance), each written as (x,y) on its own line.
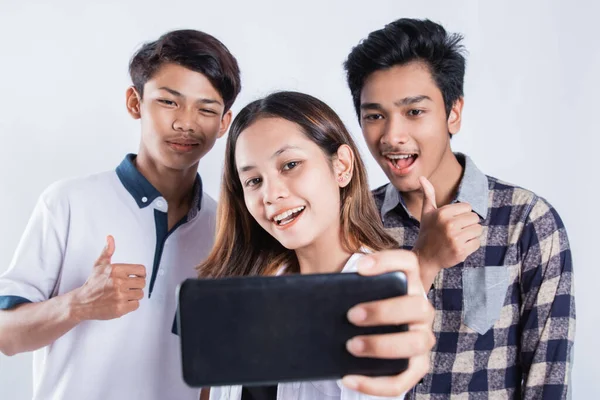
(111,291)
(428,270)
(413,309)
(447,236)
(30,317)
(548,305)
(205,394)
(30,281)
(30,326)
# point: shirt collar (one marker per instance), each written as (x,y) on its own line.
(473,189)
(142,190)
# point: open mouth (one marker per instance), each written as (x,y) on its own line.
(401,161)
(288,216)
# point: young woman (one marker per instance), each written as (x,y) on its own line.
(295,199)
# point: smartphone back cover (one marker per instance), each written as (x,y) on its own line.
(266,330)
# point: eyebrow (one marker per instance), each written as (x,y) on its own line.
(282,150)
(200,100)
(399,103)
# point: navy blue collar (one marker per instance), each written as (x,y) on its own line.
(142,191)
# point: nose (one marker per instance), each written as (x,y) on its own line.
(395,131)
(274,190)
(185,122)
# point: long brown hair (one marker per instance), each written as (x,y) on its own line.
(242,247)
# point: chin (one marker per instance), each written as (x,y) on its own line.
(181,163)
(291,243)
(406,184)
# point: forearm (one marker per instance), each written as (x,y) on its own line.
(546,353)
(205,394)
(427,277)
(548,316)
(549,379)
(427,271)
(31,326)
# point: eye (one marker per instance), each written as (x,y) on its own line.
(207,111)
(415,112)
(290,165)
(372,117)
(167,102)
(252,182)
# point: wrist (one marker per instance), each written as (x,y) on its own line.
(74,311)
(428,266)
(426,262)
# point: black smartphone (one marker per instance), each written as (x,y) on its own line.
(265,330)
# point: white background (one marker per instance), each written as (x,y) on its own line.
(530,116)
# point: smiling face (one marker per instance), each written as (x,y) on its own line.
(181,114)
(405,125)
(289,183)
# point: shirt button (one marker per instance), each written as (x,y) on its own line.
(159,203)
(144,199)
(161,272)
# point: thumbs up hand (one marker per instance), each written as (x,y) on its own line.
(448,235)
(112,290)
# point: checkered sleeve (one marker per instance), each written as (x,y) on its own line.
(547,315)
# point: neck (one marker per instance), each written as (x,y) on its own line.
(174,185)
(325,255)
(445,179)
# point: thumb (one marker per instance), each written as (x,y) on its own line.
(107,251)
(429,204)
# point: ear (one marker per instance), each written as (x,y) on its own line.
(455,117)
(225,122)
(343,165)
(133,102)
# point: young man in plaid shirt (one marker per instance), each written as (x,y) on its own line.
(495,257)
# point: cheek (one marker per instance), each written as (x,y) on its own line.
(210,125)
(372,135)
(324,192)
(254,206)
(156,119)
(433,133)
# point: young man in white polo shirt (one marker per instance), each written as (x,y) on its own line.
(99,320)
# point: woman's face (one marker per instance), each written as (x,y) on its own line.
(290,186)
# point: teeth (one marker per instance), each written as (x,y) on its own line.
(399,156)
(287,213)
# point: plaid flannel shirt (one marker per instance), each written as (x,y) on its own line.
(505,318)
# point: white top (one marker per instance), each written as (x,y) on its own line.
(317,390)
(133,357)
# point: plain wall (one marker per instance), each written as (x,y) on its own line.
(530,102)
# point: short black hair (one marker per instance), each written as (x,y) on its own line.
(408,40)
(195,50)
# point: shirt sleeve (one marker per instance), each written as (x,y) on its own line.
(547,317)
(36,264)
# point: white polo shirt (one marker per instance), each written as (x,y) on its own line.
(133,357)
